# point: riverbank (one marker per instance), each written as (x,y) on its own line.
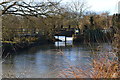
(93,36)
(13,46)
(24,42)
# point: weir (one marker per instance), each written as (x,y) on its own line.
(66,32)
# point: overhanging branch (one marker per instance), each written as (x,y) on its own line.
(24,9)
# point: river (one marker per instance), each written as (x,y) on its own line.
(46,61)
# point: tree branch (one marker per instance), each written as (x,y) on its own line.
(3,12)
(24,8)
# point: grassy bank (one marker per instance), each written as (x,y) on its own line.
(22,43)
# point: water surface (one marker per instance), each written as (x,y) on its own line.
(46,61)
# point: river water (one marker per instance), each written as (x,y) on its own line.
(47,61)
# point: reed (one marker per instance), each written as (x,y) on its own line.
(103,66)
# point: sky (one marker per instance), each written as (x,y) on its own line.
(96,5)
(102,5)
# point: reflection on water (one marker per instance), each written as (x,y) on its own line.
(63,38)
(47,61)
(63,43)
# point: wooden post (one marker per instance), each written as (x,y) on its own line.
(58,37)
(65,38)
(58,42)
(69,27)
(61,26)
(54,26)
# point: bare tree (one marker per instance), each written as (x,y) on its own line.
(76,10)
(19,7)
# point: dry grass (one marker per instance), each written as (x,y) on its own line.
(103,66)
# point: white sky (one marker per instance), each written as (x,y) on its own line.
(102,5)
(96,5)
